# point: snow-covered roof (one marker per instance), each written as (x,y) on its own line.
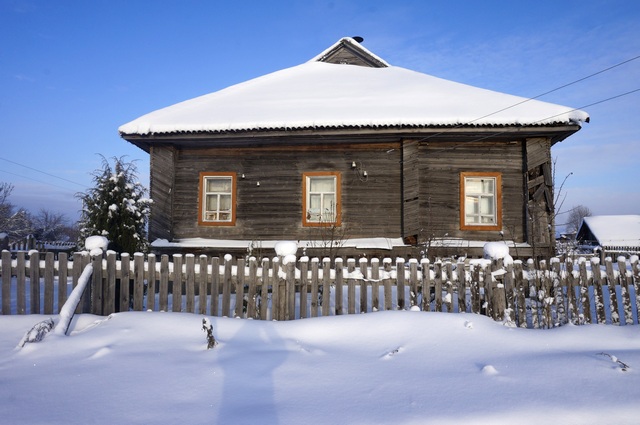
(615,230)
(317,94)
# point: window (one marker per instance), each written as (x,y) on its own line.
(217,203)
(321,199)
(480,201)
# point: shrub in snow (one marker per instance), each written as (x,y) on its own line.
(37,332)
(116,208)
(208,328)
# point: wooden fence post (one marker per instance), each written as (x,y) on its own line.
(635,273)
(448,301)
(215,286)
(21,292)
(476,299)
(597,290)
(6,282)
(625,281)
(611,286)
(48,283)
(226,287)
(177,286)
(364,285)
(163,290)
(326,286)
(509,289)
(437,271)
(585,297)
(413,282)
(461,273)
(425,284)
(63,274)
(151,282)
(264,290)
(109,299)
(290,290)
(138,281)
(520,294)
(314,285)
(97,284)
(34,281)
(351,286)
(190,281)
(386,264)
(572,310)
(339,286)
(534,300)
(400,283)
(125,282)
(375,284)
(275,289)
(251,290)
(239,288)
(203,279)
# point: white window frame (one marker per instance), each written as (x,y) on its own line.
(212,217)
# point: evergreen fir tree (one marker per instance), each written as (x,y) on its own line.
(116,207)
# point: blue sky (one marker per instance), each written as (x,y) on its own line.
(72,72)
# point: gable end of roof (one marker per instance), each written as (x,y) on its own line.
(349,51)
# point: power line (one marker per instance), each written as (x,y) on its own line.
(35,180)
(40,171)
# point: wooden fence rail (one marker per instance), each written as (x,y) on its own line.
(521,294)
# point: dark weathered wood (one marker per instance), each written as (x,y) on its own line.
(6,282)
(426,285)
(125,282)
(215,286)
(509,289)
(413,282)
(388,300)
(163,289)
(448,287)
(598,296)
(203,278)
(138,281)
(375,284)
(611,286)
(21,283)
(48,283)
(177,287)
(151,283)
(264,289)
(364,285)
(252,288)
(351,286)
(291,290)
(339,266)
(437,272)
(625,282)
(534,294)
(190,282)
(476,298)
(239,288)
(326,287)
(276,311)
(520,288)
(314,286)
(109,302)
(585,298)
(63,275)
(97,283)
(461,286)
(34,282)
(572,307)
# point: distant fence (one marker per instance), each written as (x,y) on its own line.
(521,294)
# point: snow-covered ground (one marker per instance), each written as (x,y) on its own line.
(395,367)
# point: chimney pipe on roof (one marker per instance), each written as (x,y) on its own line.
(358,38)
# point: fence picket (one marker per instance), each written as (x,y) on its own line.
(375,284)
(163,288)
(339,266)
(48,283)
(611,286)
(63,274)
(110,285)
(624,291)
(598,298)
(6,282)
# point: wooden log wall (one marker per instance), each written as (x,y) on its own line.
(543,295)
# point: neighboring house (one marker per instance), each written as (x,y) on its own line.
(610,235)
(348,148)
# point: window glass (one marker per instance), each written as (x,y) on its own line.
(480,200)
(217,199)
(321,199)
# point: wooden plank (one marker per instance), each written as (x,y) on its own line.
(520,289)
(448,286)
(190,282)
(125,282)
(97,284)
(264,290)
(177,286)
(437,271)
(572,310)
(326,286)
(534,300)
(375,284)
(509,290)
(364,285)
(413,282)
(339,266)
(351,286)
(138,281)
(611,285)
(215,286)
(6,282)
(163,289)
(251,289)
(291,290)
(34,281)
(48,283)
(203,278)
(275,289)
(63,275)
(426,285)
(585,297)
(21,268)
(109,302)
(314,286)
(151,283)
(239,288)
(625,282)
(476,298)
(598,297)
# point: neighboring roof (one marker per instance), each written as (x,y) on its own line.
(320,94)
(613,230)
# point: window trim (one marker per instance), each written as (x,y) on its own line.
(498,201)
(338,194)
(201,201)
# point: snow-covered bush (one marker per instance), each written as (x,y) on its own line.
(116,207)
